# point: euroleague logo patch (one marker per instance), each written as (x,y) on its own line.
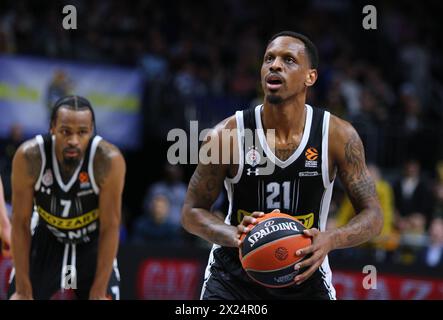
(281,253)
(83,177)
(311,155)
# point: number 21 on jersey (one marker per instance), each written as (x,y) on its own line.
(274,200)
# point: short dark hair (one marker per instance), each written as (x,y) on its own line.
(311,49)
(76,103)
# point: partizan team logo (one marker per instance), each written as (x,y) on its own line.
(311,158)
(47,178)
(253,157)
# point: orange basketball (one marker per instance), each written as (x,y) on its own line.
(268,250)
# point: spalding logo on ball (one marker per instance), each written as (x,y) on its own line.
(268,250)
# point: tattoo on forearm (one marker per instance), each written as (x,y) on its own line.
(359,230)
(361,191)
(203,189)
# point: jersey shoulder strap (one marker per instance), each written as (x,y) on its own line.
(249,119)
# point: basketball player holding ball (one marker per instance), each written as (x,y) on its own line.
(74,180)
(311,148)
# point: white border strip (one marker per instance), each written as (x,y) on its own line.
(41,146)
(325,150)
(94,146)
(240,137)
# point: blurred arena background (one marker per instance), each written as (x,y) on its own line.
(150,66)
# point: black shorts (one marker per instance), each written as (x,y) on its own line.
(226,282)
(49,258)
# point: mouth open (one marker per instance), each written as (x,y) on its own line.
(274,82)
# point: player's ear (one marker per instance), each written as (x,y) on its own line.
(52,128)
(311,77)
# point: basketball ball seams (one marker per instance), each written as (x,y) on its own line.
(273,257)
(274,270)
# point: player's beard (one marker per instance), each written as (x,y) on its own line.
(72,161)
(274,99)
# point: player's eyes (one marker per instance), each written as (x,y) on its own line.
(290,60)
(269,58)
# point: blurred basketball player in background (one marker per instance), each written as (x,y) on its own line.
(74,179)
(5,225)
(311,148)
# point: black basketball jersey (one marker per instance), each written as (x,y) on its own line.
(299,186)
(69,211)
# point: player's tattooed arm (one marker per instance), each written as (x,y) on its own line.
(102,161)
(205,185)
(346,149)
(360,188)
(33,158)
(26,167)
(109,173)
(204,188)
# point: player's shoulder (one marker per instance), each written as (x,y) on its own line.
(107,155)
(343,138)
(107,150)
(27,160)
(226,126)
(29,149)
(340,129)
(227,123)
(108,161)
